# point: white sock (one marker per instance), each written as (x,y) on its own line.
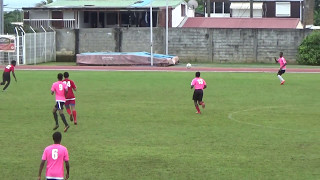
(280,78)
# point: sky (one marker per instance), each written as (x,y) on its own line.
(10,5)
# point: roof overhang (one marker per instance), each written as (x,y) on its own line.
(89,8)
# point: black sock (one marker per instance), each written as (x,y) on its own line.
(64,119)
(55,116)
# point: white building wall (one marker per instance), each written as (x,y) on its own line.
(68,15)
(176,15)
(190,12)
(39,15)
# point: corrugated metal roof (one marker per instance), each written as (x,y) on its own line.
(112,3)
(236,23)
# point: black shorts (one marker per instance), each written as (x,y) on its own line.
(59,105)
(197,95)
(6,76)
(282,71)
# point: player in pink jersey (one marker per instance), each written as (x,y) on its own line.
(283,63)
(198,84)
(6,75)
(70,98)
(55,155)
(60,89)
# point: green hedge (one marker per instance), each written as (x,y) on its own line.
(309,50)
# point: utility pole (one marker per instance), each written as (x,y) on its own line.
(208,8)
(251,8)
(1,18)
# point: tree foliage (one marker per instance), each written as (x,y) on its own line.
(43,3)
(200,7)
(309,50)
(9,17)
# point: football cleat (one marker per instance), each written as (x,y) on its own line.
(282,82)
(56,127)
(71,118)
(66,128)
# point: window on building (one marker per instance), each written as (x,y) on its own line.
(226,7)
(26,15)
(86,17)
(57,23)
(112,18)
(183,10)
(220,7)
(283,9)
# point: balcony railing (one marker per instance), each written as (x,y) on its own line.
(56,23)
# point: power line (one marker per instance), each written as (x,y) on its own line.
(6,7)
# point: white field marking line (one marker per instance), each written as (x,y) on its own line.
(230,116)
(159,70)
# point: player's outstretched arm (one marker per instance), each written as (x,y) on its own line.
(275,59)
(67,167)
(40,169)
(14,76)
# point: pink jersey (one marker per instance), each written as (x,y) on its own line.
(55,155)
(198,83)
(9,68)
(71,87)
(59,88)
(282,61)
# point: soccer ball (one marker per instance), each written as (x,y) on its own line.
(188,65)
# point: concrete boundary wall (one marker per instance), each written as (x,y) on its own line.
(190,44)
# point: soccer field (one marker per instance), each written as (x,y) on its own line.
(142,125)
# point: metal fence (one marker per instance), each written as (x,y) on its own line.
(31,48)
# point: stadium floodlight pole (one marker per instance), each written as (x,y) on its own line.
(301,8)
(1,18)
(17,44)
(167,26)
(151,35)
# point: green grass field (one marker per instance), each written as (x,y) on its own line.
(142,125)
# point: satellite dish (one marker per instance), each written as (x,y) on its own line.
(193,4)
